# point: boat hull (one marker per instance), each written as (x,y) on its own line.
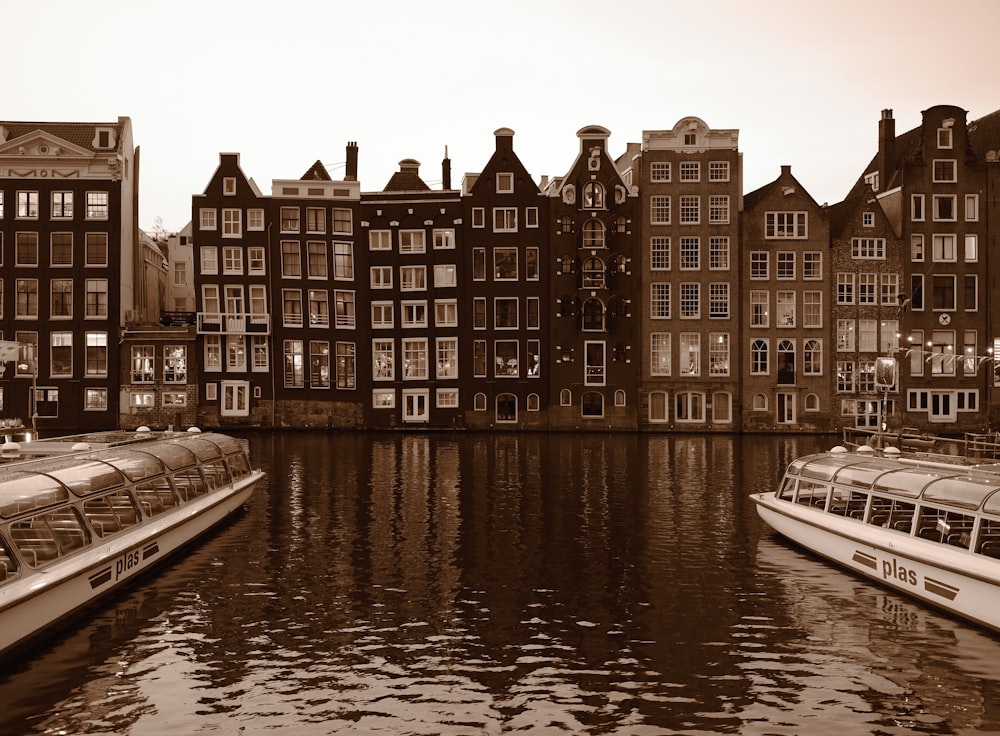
(34,606)
(948,578)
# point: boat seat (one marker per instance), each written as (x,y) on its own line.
(929,532)
(991,548)
(105,524)
(69,537)
(959,539)
(37,551)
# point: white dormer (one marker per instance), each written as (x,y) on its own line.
(105,139)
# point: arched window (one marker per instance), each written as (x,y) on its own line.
(593,195)
(593,234)
(690,406)
(812,402)
(480,402)
(619,398)
(566,263)
(593,315)
(812,359)
(593,273)
(533,402)
(760,402)
(759,358)
(506,408)
(565,225)
(620,225)
(565,397)
(593,404)
(786,362)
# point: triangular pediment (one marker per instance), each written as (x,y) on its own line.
(41,143)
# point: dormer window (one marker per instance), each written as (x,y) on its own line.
(104,138)
(229,186)
(505,183)
(690,139)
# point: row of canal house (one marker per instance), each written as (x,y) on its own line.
(643,291)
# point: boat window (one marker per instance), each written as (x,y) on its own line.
(848,503)
(8,565)
(136,465)
(216,474)
(48,536)
(190,483)
(860,476)
(85,476)
(204,449)
(155,496)
(20,492)
(907,483)
(992,504)
(966,493)
(822,467)
(238,465)
(795,467)
(949,527)
(988,542)
(174,455)
(892,513)
(812,493)
(111,512)
(787,492)
(228,445)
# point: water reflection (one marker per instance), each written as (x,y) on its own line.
(518,583)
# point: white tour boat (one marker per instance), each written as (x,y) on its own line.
(927,526)
(87,513)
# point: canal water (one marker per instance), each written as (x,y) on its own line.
(488,584)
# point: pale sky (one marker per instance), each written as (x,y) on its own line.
(286,83)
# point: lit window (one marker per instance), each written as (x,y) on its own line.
(27,205)
(62,205)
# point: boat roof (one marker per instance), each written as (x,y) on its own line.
(76,467)
(965,487)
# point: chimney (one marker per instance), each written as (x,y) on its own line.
(886,148)
(351,174)
(446,170)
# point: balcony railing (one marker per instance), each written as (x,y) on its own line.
(220,323)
